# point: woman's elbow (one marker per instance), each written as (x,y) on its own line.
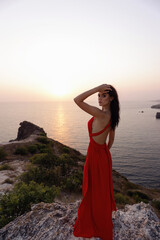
(75,99)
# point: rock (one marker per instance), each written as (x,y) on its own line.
(156,106)
(136,221)
(55,221)
(18,168)
(27,129)
(158,115)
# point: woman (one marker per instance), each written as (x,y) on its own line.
(95,210)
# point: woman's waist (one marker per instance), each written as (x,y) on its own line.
(98,145)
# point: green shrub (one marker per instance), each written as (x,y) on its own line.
(131,185)
(21,151)
(83,158)
(156,204)
(43,134)
(33,173)
(19,201)
(65,150)
(120,198)
(8,180)
(6,167)
(32,148)
(46,160)
(41,175)
(64,169)
(66,158)
(3,154)
(43,139)
(138,199)
(74,182)
(40,146)
(138,196)
(43,148)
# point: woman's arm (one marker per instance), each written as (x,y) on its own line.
(94,111)
(111,138)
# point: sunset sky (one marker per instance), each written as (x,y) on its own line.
(56,49)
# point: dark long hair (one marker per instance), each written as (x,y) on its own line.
(114,108)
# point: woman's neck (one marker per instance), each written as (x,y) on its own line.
(106,108)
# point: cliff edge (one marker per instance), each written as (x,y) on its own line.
(41,165)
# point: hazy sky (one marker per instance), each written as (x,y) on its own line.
(55,49)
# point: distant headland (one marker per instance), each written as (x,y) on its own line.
(157,106)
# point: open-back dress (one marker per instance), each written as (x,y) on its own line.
(95,210)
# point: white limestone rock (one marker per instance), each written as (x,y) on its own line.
(136,221)
(55,221)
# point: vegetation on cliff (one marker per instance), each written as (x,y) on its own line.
(53,168)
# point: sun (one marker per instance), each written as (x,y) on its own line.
(59,89)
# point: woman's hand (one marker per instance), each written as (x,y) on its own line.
(94,111)
(104,87)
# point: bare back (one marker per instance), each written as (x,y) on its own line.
(99,124)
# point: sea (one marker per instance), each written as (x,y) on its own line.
(136,148)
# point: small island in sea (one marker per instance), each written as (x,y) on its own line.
(157,106)
(41,190)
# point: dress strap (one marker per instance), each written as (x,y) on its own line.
(98,133)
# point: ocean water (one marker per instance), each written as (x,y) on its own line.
(136,149)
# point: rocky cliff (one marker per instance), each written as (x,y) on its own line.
(136,218)
(28,129)
(55,221)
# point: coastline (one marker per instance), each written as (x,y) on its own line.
(137,207)
(122,186)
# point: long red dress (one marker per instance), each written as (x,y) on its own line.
(95,210)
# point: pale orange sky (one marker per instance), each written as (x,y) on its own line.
(54,50)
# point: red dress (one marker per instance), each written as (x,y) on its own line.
(95,210)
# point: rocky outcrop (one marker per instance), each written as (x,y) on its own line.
(156,106)
(55,221)
(27,129)
(158,115)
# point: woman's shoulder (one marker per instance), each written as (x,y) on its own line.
(104,119)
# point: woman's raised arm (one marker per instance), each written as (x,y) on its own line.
(94,111)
